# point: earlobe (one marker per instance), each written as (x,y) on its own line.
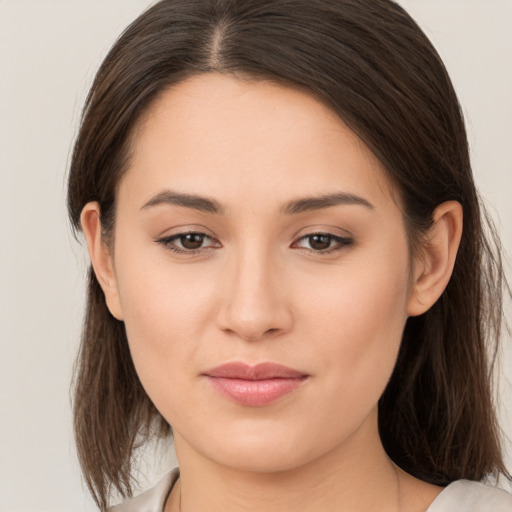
(434,267)
(101,257)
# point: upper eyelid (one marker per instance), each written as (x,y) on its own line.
(206,235)
(324,233)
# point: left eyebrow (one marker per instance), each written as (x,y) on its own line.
(170,197)
(326,201)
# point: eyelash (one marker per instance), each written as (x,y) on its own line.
(167,242)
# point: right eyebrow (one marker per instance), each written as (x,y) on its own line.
(171,197)
(325,201)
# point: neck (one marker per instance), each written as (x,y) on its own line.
(355,476)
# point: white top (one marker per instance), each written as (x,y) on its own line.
(459,496)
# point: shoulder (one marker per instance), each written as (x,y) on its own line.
(469,496)
(152,500)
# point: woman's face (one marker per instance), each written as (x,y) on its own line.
(253,226)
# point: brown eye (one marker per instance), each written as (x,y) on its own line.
(188,243)
(192,241)
(323,243)
(320,242)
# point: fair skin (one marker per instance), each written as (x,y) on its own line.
(261,288)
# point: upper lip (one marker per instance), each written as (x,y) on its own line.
(261,371)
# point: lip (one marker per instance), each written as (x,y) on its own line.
(257,385)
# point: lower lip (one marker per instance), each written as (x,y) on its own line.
(255,393)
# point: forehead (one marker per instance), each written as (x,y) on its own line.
(230,137)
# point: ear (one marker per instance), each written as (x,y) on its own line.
(433,267)
(101,257)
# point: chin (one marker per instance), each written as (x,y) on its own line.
(259,460)
(265,450)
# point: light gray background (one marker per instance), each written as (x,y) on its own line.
(49,51)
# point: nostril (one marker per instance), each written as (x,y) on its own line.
(256,337)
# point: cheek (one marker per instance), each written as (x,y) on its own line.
(359,319)
(165,308)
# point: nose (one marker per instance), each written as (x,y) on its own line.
(254,304)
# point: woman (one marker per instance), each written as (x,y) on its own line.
(289,268)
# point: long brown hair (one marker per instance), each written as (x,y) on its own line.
(371,63)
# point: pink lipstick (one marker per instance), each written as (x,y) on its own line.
(254,386)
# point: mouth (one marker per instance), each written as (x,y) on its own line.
(255,386)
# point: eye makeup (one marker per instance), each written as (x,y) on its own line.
(193,242)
